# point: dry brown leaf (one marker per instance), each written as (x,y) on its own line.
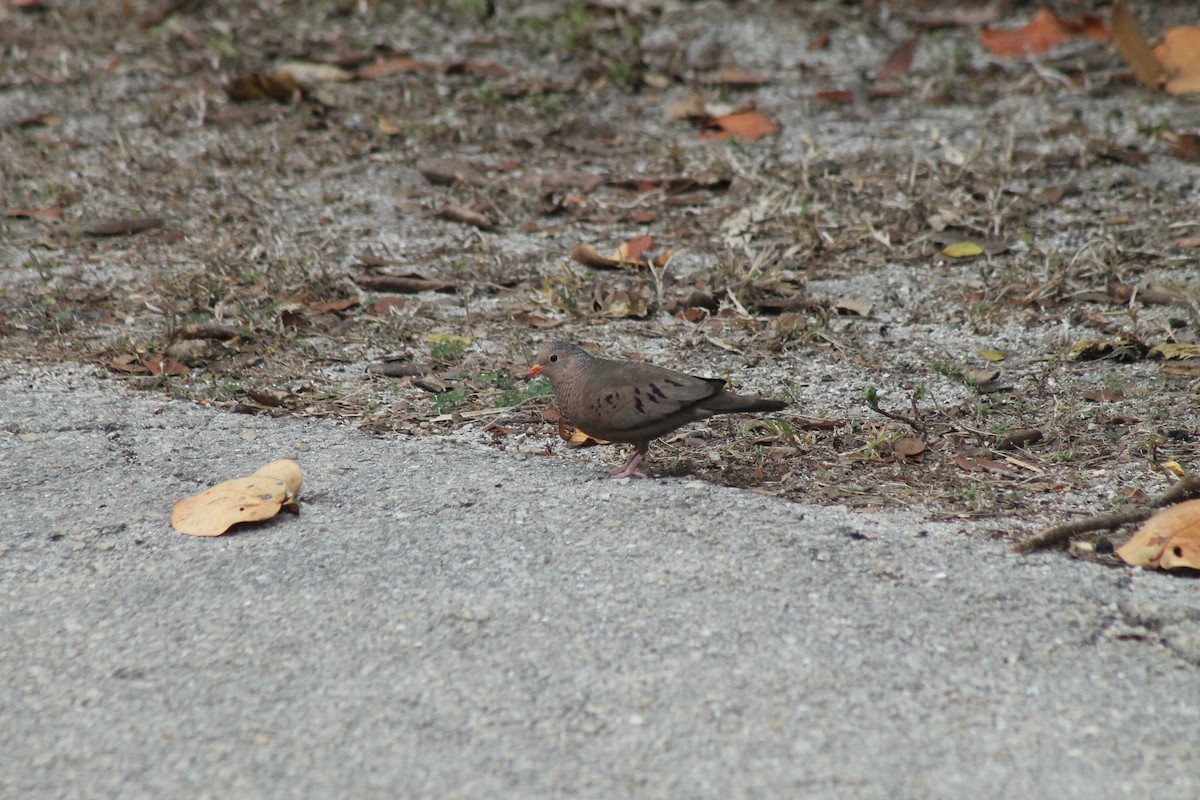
(837,96)
(587,256)
(34,213)
(984,378)
(854,306)
(467,216)
(1020,438)
(737,78)
(692,107)
(1042,33)
(586,182)
(899,62)
(207,330)
(1132,45)
(279,86)
(488,69)
(389,128)
(1119,348)
(448,171)
(974,464)
(1174,350)
(1171,537)
(325,306)
(631,252)
(406,284)
(628,254)
(620,303)
(1179,55)
(1184,146)
(159,366)
(909,447)
(128,363)
(392,66)
(537,321)
(748,126)
(247,499)
(122,227)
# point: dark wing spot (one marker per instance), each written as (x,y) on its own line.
(610,398)
(656,392)
(638,404)
(637,390)
(672,381)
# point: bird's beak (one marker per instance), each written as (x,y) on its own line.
(534,371)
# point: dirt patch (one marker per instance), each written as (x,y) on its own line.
(392,244)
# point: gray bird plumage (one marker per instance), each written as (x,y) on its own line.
(633,402)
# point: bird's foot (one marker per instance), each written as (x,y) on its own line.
(629,470)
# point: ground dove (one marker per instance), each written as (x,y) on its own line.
(633,402)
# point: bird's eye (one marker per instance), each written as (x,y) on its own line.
(553,358)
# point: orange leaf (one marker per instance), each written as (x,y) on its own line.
(1132,45)
(749,126)
(631,252)
(577,438)
(1171,538)
(586,254)
(1179,54)
(1095,29)
(1043,32)
(248,499)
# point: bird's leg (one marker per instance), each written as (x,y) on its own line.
(627,471)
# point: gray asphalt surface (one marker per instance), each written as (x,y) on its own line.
(443,620)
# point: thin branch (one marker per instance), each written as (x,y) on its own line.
(1182,489)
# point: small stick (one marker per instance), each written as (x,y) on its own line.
(1181,489)
(873,404)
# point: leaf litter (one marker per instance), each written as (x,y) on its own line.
(802,254)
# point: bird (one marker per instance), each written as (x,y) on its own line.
(632,402)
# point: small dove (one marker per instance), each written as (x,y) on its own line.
(633,402)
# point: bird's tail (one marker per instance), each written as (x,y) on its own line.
(730,403)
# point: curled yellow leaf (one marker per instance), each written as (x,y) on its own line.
(250,498)
(962,250)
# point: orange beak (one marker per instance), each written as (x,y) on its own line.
(534,371)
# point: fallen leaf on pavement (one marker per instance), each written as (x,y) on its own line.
(1169,539)
(247,499)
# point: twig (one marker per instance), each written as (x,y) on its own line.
(1181,489)
(873,404)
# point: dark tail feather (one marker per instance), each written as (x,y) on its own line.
(730,403)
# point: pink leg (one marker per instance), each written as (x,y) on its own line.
(627,471)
